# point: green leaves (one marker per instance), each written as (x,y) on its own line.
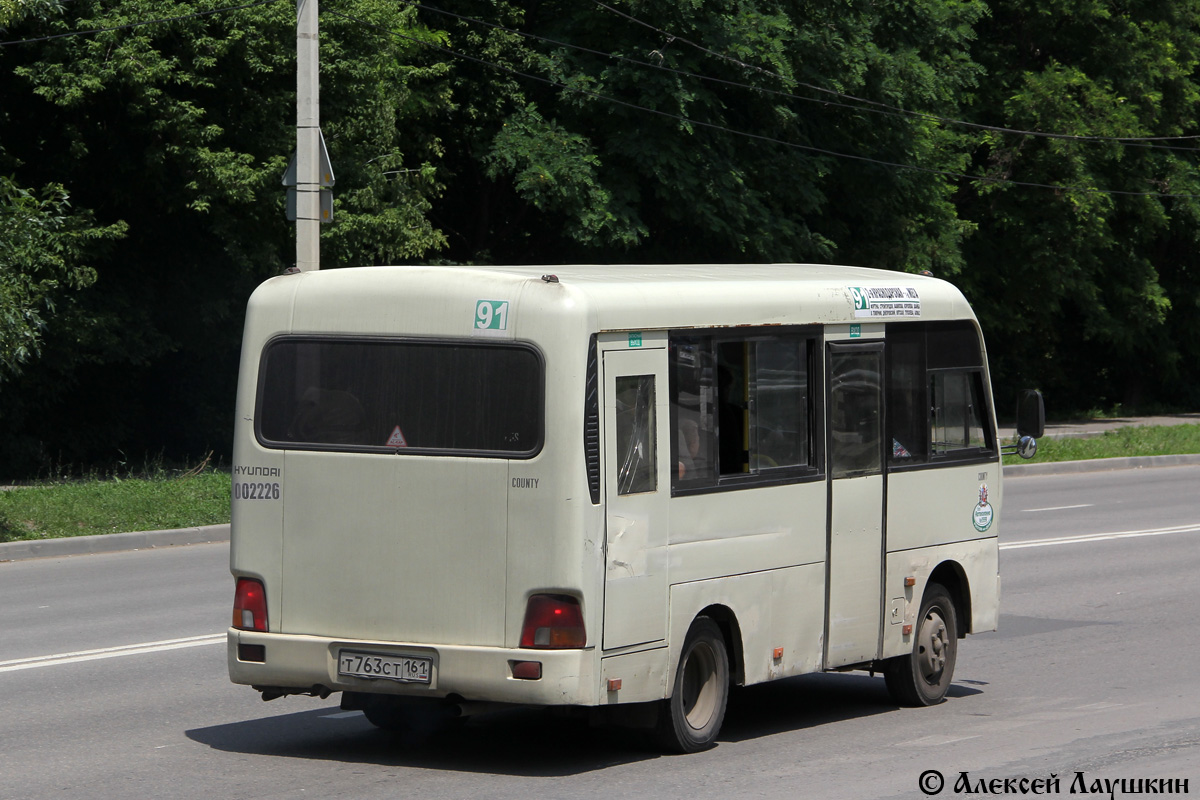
(43,245)
(727,131)
(1071,281)
(14,11)
(380,93)
(177,134)
(556,171)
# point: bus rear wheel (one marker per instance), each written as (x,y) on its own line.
(923,677)
(691,719)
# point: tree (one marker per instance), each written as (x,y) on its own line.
(178,133)
(43,249)
(551,132)
(1089,294)
(693,132)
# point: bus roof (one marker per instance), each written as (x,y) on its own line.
(614,297)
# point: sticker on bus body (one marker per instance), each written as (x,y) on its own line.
(982,515)
(256,490)
(491,315)
(885,301)
(249,484)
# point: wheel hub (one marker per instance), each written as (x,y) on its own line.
(932,646)
(699,686)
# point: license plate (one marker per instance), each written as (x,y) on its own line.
(406,669)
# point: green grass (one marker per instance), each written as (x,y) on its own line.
(161,500)
(1164,440)
(114,505)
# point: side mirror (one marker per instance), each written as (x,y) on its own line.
(1031,416)
(1027,447)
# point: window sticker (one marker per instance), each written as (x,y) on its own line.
(397,438)
(886,301)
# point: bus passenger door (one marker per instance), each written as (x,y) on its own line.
(637,486)
(856,509)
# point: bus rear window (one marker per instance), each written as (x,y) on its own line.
(400,396)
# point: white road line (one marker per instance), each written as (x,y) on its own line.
(1099,537)
(936,740)
(109,652)
(1057,508)
(218,638)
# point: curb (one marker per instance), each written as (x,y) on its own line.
(148,540)
(1098,465)
(112,542)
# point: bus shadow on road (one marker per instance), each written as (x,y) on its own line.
(540,743)
(519,742)
(810,701)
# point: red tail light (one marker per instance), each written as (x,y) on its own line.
(553,622)
(250,605)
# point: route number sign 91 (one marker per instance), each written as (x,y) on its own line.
(491,315)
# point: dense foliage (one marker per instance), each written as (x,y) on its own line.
(140,170)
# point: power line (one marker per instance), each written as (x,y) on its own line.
(878,107)
(883,108)
(669,115)
(140,24)
(747,134)
(1140,141)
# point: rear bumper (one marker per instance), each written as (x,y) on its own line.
(472,673)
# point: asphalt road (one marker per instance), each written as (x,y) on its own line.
(113,685)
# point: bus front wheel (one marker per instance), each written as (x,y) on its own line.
(922,677)
(691,719)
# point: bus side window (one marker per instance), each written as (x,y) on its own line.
(636,454)
(908,406)
(956,411)
(740,408)
(732,376)
(693,412)
(937,408)
(854,415)
(780,404)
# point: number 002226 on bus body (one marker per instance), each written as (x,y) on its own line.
(370,665)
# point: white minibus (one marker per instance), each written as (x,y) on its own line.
(609,487)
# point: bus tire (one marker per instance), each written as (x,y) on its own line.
(923,677)
(691,718)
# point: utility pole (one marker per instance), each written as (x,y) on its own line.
(308,139)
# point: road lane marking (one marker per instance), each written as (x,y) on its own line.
(936,740)
(1057,508)
(1100,537)
(217,638)
(110,652)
